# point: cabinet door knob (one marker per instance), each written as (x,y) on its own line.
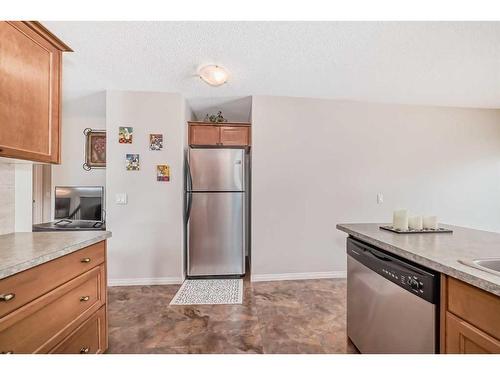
(84,298)
(7,297)
(85,260)
(84,350)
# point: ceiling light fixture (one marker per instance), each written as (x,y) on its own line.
(214,75)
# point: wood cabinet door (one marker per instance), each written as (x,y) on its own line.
(464,338)
(235,135)
(30,84)
(203,135)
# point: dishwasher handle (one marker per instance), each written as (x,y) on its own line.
(380,257)
(365,251)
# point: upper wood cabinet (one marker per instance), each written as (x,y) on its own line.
(470,319)
(30,91)
(203,135)
(235,135)
(225,134)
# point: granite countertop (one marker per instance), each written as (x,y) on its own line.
(21,251)
(438,251)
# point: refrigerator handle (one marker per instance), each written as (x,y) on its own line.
(189,182)
(189,204)
(189,187)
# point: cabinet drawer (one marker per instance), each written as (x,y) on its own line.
(31,284)
(89,338)
(476,306)
(39,325)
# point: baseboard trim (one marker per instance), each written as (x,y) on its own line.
(299,276)
(146,281)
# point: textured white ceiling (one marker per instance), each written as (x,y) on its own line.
(439,63)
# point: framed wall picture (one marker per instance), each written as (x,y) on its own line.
(95,149)
(163,173)
(125,134)
(155,142)
(132,162)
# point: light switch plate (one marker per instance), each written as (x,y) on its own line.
(121,198)
(380,198)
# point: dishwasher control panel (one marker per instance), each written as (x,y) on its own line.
(410,280)
(414,278)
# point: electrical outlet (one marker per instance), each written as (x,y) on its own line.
(380,198)
(121,198)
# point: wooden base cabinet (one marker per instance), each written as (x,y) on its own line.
(224,134)
(89,338)
(67,314)
(464,338)
(30,94)
(470,319)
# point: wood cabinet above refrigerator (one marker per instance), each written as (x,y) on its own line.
(223,134)
(30,92)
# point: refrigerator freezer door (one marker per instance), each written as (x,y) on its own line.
(217,169)
(216,234)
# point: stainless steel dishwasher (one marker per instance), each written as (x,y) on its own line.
(392,304)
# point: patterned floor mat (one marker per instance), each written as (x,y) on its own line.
(209,292)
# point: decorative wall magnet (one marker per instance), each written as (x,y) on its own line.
(132,162)
(155,142)
(125,134)
(95,149)
(162,172)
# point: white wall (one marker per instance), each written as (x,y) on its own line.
(86,109)
(7,197)
(15,196)
(23,197)
(147,243)
(318,162)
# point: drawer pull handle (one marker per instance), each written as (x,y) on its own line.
(7,297)
(85,260)
(84,350)
(84,298)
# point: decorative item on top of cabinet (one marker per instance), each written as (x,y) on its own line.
(31,74)
(224,134)
(218,118)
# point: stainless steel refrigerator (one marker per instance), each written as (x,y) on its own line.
(217,184)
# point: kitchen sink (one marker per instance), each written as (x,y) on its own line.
(491,265)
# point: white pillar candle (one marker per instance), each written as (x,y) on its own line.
(400,220)
(415,223)
(430,222)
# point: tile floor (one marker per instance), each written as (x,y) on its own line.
(306,316)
